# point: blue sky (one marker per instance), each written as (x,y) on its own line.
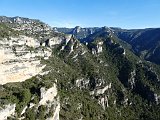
(87,13)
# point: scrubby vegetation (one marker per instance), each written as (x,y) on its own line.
(131,84)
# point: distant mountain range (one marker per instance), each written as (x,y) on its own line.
(145,42)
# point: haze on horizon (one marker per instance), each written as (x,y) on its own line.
(87,13)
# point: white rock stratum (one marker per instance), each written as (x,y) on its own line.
(49,97)
(7,111)
(18,61)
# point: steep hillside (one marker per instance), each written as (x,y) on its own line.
(109,80)
(24,92)
(52,76)
(145,42)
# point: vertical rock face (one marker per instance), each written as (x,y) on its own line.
(99,47)
(101,96)
(157,98)
(132,79)
(103,101)
(20,57)
(18,60)
(100,91)
(93,51)
(50,98)
(55,40)
(48,95)
(8,111)
(56,112)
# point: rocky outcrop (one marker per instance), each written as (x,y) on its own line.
(157,98)
(82,83)
(93,51)
(50,98)
(7,111)
(131,81)
(19,59)
(99,47)
(103,101)
(100,91)
(48,95)
(76,30)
